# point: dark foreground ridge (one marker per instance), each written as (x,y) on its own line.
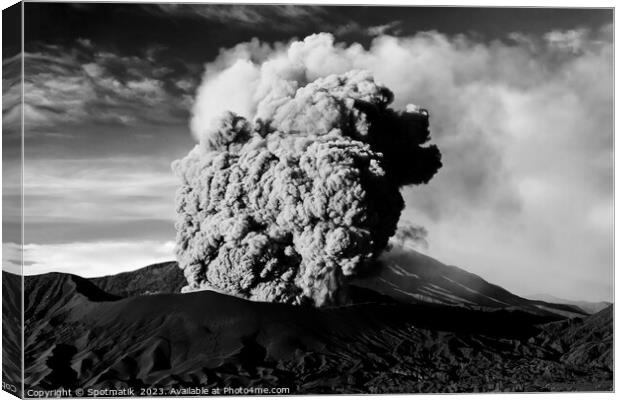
(79,335)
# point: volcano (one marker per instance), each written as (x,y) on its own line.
(418,326)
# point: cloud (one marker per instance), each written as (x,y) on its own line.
(279,17)
(571,40)
(90,198)
(389,28)
(525,129)
(88,259)
(104,189)
(12,258)
(97,124)
(411,235)
(72,85)
(11,95)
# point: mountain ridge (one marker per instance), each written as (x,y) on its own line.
(591,307)
(406,276)
(141,333)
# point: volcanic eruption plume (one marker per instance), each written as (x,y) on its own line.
(287,203)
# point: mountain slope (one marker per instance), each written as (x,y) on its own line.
(80,336)
(590,339)
(157,278)
(210,338)
(11,332)
(405,275)
(411,277)
(420,327)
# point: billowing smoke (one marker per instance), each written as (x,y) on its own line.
(411,235)
(296,188)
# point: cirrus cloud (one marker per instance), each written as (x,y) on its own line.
(79,84)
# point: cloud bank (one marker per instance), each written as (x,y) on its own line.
(71,85)
(525,129)
(87,259)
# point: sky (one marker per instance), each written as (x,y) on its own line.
(521,105)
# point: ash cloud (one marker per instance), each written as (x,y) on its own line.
(411,235)
(294,188)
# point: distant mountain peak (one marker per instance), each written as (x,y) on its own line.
(591,307)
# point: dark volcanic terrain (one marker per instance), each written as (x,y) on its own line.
(135,330)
